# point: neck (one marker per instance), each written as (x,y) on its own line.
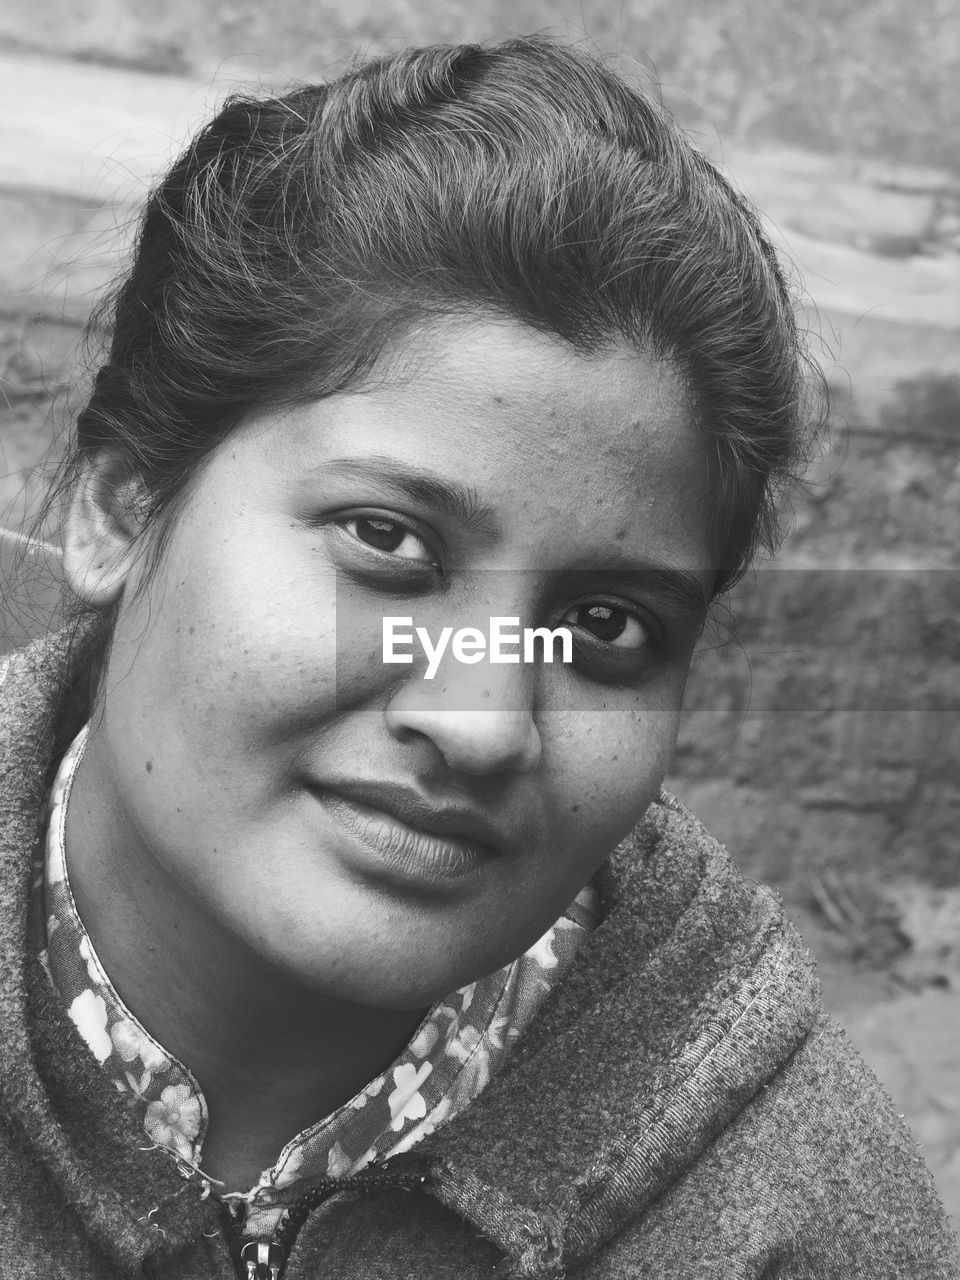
(271,1056)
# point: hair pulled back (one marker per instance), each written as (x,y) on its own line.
(298,235)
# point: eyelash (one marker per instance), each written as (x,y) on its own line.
(384,518)
(631,614)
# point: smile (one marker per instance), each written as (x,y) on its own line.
(392,846)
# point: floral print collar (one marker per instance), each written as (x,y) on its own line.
(461,1044)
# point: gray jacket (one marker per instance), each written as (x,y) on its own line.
(679,1109)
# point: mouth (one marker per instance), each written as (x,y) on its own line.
(399,834)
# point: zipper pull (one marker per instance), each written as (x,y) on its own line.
(263,1259)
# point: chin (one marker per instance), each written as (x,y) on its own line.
(381,985)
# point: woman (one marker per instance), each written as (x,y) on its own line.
(372,947)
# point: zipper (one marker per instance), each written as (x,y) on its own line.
(265,1258)
(262,1260)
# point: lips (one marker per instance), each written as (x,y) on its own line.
(461,822)
(402,838)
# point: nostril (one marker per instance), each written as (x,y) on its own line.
(471,741)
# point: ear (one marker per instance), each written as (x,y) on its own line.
(104,520)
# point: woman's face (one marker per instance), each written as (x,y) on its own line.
(373,834)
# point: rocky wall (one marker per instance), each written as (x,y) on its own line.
(822,731)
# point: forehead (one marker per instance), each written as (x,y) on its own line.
(534,386)
(601,448)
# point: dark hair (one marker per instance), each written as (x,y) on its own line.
(297,235)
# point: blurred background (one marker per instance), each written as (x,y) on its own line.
(822,734)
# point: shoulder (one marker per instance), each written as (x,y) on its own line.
(870,1205)
(816,1178)
(811,1173)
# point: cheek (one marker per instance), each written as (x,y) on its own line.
(263,611)
(605,771)
(221,652)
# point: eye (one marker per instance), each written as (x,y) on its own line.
(613,626)
(390,537)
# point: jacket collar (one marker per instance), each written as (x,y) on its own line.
(688,998)
(62,1101)
(683,1003)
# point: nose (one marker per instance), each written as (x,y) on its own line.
(478,741)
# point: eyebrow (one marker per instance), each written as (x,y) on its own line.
(456,501)
(681,588)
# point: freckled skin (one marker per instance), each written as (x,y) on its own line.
(573,455)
